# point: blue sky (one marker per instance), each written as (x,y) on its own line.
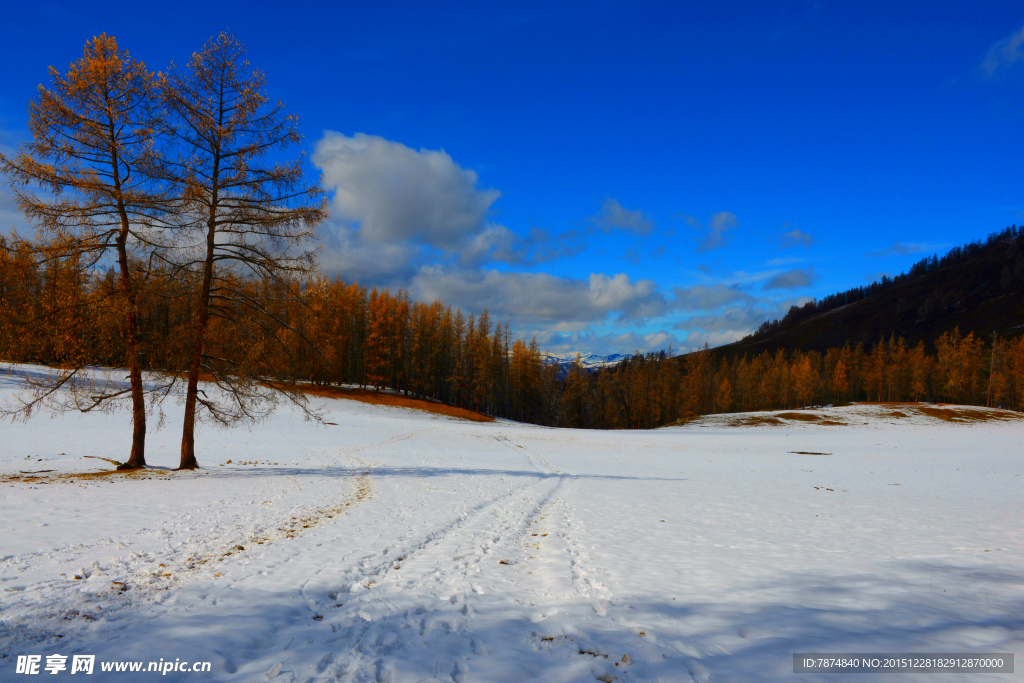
(613,176)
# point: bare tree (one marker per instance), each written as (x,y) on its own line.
(246,221)
(93,130)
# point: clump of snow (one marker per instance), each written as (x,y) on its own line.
(399,545)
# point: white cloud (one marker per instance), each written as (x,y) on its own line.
(532,299)
(733,323)
(395,193)
(697,340)
(637,300)
(791,279)
(742,277)
(1005,52)
(566,314)
(706,298)
(783,261)
(496,243)
(9,141)
(393,206)
(900,249)
(10,217)
(614,216)
(795,238)
(716,232)
(345,253)
(737,318)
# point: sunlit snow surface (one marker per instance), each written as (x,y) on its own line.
(403,546)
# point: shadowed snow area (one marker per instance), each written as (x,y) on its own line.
(400,546)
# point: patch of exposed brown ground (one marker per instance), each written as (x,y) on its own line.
(47,478)
(962,414)
(942,411)
(803,417)
(780,419)
(754,421)
(379,398)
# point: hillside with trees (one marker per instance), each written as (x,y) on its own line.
(977,287)
(947,330)
(648,391)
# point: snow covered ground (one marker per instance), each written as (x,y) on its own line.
(398,545)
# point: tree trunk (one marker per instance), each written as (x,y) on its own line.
(137,457)
(188,440)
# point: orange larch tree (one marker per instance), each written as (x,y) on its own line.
(242,216)
(92,138)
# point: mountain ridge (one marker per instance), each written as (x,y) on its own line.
(591,362)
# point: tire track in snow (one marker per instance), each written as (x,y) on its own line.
(572,603)
(434,604)
(583,617)
(577,613)
(416,593)
(544,467)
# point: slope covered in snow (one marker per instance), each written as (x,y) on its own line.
(398,545)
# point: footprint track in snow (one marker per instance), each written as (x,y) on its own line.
(64,605)
(422,607)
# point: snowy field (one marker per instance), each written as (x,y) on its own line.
(399,545)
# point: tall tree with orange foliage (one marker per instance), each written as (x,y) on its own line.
(997,380)
(92,137)
(875,370)
(839,381)
(920,368)
(805,380)
(242,215)
(376,339)
(1015,373)
(723,397)
(959,365)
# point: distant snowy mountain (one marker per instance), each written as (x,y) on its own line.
(590,361)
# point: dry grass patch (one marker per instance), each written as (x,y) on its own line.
(962,414)
(755,421)
(379,398)
(780,419)
(23,478)
(803,417)
(132,474)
